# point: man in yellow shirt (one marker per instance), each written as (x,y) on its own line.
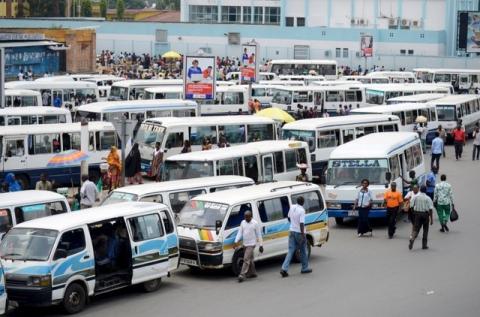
(393,200)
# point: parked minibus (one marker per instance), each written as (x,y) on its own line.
(379,157)
(394,77)
(228,100)
(367,79)
(104,83)
(326,68)
(22,98)
(306,79)
(419,98)
(462,79)
(65,259)
(264,161)
(262,93)
(175,194)
(208,224)
(133,89)
(379,94)
(323,135)
(163,92)
(34,115)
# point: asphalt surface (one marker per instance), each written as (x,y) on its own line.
(369,276)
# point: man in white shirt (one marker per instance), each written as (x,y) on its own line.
(296,238)
(88,193)
(249,232)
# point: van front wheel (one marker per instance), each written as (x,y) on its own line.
(237,261)
(152,286)
(74,299)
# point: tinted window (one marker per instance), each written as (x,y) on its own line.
(5,220)
(273,209)
(198,134)
(291,160)
(237,215)
(72,241)
(146,227)
(260,132)
(279,167)
(175,140)
(179,199)
(167,221)
(313,201)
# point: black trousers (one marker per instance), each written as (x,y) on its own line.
(458,149)
(421,221)
(392,213)
(435,158)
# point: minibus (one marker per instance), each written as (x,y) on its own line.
(394,77)
(133,89)
(463,79)
(208,224)
(367,79)
(264,161)
(228,100)
(326,68)
(22,98)
(323,135)
(262,93)
(163,92)
(306,79)
(175,194)
(65,259)
(379,94)
(381,158)
(104,83)
(419,98)
(34,115)
(17,207)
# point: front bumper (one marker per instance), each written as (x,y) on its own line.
(30,296)
(343,213)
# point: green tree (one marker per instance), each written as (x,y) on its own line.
(86,8)
(103,8)
(160,4)
(120,9)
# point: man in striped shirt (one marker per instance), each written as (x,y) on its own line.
(423,217)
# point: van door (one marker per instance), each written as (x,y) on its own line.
(273,215)
(14,153)
(149,247)
(267,165)
(172,239)
(3,292)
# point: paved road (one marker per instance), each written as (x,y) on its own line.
(352,276)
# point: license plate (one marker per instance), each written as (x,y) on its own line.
(353,213)
(188,261)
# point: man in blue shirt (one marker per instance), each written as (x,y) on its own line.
(431,181)
(194,69)
(437,150)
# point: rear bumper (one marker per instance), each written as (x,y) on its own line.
(342,213)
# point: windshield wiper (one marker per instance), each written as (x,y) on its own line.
(12,254)
(344,183)
(189,225)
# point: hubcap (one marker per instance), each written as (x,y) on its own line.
(74,298)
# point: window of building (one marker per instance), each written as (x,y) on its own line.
(300,21)
(289,21)
(231,14)
(272,15)
(203,14)
(338,52)
(410,52)
(247,15)
(403,52)
(345,53)
(391,34)
(258,15)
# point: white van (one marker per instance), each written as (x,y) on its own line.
(208,224)
(17,207)
(379,157)
(67,258)
(175,194)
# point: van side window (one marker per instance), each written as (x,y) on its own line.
(25,213)
(291,160)
(313,201)
(417,154)
(394,167)
(273,209)
(179,199)
(5,220)
(279,167)
(175,139)
(198,134)
(251,167)
(301,156)
(237,215)
(229,167)
(146,227)
(156,198)
(409,159)
(260,132)
(72,241)
(388,128)
(167,221)
(328,139)
(348,135)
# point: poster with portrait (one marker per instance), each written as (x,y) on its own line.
(199,77)
(473,33)
(366,45)
(249,68)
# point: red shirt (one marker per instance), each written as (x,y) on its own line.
(459,135)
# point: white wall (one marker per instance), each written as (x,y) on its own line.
(435,15)
(318,12)
(341,14)
(295,8)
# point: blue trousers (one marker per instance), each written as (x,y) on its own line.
(295,242)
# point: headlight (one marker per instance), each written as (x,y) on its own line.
(42,281)
(210,246)
(333,205)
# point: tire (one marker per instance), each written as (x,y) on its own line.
(339,221)
(296,257)
(24,181)
(152,285)
(237,262)
(74,299)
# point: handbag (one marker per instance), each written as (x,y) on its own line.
(453,215)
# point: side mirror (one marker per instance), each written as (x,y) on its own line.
(60,254)
(218,226)
(388,176)
(311,143)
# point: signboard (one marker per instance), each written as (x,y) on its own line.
(366,45)
(473,32)
(249,68)
(2,78)
(199,77)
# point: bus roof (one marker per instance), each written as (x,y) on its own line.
(55,128)
(26,197)
(136,105)
(454,99)
(447,70)
(418,97)
(238,150)
(21,92)
(303,61)
(33,110)
(182,184)
(405,87)
(66,221)
(337,121)
(391,108)
(173,121)
(375,145)
(147,82)
(49,85)
(166,88)
(256,192)
(391,74)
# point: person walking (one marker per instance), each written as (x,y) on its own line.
(114,167)
(363,203)
(458,141)
(12,183)
(296,238)
(443,136)
(422,214)
(43,183)
(88,192)
(437,150)
(431,181)
(250,234)
(157,161)
(133,166)
(476,143)
(393,200)
(407,202)
(443,201)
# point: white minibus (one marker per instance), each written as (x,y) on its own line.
(393,77)
(22,98)
(367,79)
(228,100)
(264,161)
(461,79)
(326,68)
(164,92)
(419,98)
(209,223)
(323,135)
(379,94)
(132,89)
(306,79)
(34,115)
(26,152)
(380,158)
(262,93)
(104,83)
(175,194)
(65,259)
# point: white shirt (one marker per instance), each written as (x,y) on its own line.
(476,138)
(411,195)
(250,232)
(297,216)
(88,193)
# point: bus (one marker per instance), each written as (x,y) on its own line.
(323,135)
(172,133)
(133,89)
(264,161)
(420,98)
(71,93)
(228,100)
(34,115)
(379,94)
(381,158)
(104,83)
(326,68)
(277,82)
(163,92)
(394,77)
(367,79)
(458,108)
(22,98)
(26,152)
(306,79)
(461,79)
(262,93)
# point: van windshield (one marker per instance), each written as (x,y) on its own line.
(28,244)
(352,171)
(119,197)
(202,214)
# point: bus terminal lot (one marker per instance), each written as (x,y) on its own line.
(351,276)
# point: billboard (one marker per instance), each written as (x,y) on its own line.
(469,31)
(199,77)
(249,68)
(2,77)
(366,45)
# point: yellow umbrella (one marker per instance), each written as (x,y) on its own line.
(276,114)
(171,55)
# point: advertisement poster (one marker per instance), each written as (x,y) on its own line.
(199,77)
(248,71)
(366,45)
(473,34)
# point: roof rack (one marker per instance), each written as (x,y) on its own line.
(289,186)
